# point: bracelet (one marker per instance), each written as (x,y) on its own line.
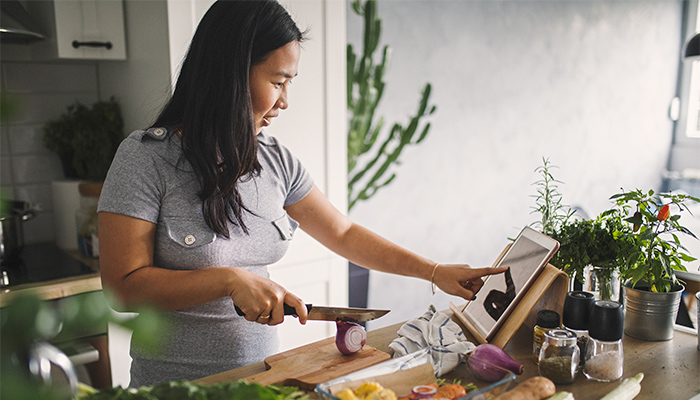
(432,277)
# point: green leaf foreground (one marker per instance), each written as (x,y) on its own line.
(186,390)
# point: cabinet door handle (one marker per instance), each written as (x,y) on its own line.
(107,45)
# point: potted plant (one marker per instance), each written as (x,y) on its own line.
(594,249)
(86,139)
(651,290)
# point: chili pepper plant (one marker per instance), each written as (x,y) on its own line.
(655,222)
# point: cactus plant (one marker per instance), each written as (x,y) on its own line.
(365,86)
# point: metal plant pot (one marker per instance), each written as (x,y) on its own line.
(649,315)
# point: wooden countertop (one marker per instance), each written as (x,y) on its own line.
(671,368)
(58,288)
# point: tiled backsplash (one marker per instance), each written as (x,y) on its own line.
(43,92)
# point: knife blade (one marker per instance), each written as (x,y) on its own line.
(318,313)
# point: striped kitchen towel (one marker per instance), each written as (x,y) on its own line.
(435,330)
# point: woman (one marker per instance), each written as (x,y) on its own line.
(195,208)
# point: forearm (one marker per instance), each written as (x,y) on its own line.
(168,290)
(367,249)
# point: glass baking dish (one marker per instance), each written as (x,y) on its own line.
(394,368)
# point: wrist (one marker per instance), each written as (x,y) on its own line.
(229,281)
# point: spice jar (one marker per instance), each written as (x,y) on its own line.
(604,356)
(559,357)
(546,320)
(577,307)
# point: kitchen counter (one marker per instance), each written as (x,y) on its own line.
(671,368)
(48,256)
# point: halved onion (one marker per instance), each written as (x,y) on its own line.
(350,337)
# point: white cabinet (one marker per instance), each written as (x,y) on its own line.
(90,29)
(80,29)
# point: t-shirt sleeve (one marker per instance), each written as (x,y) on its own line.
(299,181)
(132,186)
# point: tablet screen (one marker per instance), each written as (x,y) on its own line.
(528,254)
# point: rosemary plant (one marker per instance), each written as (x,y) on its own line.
(548,201)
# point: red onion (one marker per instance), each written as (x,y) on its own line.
(424,391)
(493,355)
(350,337)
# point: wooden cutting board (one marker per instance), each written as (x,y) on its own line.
(309,365)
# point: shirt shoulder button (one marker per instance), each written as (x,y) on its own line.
(158,131)
(189,239)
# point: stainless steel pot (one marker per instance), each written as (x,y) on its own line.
(12,216)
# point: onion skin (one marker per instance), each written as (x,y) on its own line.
(494,355)
(350,337)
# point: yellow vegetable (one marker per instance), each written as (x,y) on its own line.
(366,389)
(346,394)
(381,394)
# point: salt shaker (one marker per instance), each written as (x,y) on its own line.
(604,357)
(577,307)
(559,356)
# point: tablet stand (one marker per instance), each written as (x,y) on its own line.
(548,291)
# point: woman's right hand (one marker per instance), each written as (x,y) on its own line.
(262,300)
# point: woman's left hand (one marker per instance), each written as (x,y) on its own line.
(462,280)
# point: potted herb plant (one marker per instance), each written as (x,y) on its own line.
(649,279)
(85,139)
(594,249)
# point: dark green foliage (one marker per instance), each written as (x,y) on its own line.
(365,87)
(602,242)
(184,390)
(87,137)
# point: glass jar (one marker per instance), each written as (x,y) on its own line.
(602,282)
(559,356)
(604,358)
(546,320)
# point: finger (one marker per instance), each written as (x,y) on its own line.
(299,306)
(490,270)
(465,293)
(263,319)
(250,315)
(277,315)
(474,285)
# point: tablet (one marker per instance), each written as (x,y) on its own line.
(526,257)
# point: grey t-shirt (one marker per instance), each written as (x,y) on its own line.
(151,180)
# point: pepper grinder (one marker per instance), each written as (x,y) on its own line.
(604,356)
(577,308)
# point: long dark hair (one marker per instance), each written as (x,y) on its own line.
(211,104)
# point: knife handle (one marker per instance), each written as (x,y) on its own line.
(288,310)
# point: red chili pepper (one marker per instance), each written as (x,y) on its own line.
(663,213)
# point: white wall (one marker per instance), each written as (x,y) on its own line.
(586,83)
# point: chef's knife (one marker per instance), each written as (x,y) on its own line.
(333,313)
